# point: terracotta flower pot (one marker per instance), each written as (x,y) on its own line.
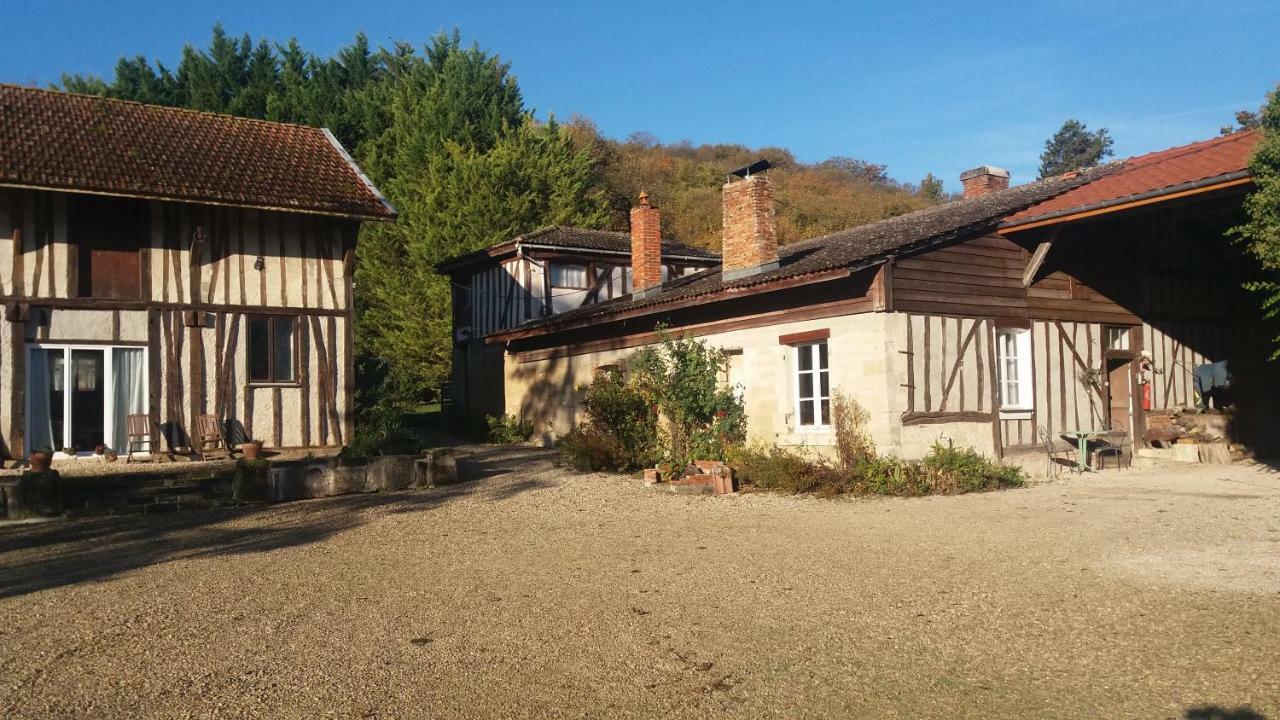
(41,461)
(251,450)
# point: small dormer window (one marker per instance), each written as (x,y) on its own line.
(564,275)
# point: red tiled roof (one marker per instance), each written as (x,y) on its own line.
(1221,157)
(84,143)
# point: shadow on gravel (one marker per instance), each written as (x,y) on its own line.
(39,557)
(1217,712)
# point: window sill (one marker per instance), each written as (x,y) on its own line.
(292,384)
(1016,414)
(808,436)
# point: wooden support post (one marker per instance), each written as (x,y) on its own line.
(1037,257)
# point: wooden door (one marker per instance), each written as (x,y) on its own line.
(1120,396)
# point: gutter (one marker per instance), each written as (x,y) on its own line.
(1219,182)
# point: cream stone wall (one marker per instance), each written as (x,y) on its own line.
(865,362)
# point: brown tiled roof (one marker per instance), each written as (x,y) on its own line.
(1222,158)
(572,238)
(853,248)
(84,143)
(608,240)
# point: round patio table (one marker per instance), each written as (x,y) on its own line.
(1082,444)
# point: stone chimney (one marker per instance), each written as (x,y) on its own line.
(750,242)
(646,248)
(984,180)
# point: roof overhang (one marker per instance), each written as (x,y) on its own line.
(197,201)
(682,302)
(509,247)
(1128,202)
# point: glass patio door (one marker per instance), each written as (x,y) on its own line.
(79,397)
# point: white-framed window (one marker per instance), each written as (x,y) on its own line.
(813,386)
(1013,369)
(81,396)
(1116,338)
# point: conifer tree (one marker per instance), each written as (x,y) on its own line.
(1074,147)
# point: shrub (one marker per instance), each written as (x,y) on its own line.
(590,450)
(853,442)
(703,419)
(962,470)
(621,428)
(944,471)
(508,429)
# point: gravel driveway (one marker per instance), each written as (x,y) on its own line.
(531,592)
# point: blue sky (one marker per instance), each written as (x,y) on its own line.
(918,86)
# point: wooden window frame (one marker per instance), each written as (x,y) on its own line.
(272,319)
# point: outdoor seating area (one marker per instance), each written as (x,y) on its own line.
(1085,450)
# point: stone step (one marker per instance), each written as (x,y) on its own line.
(1181,453)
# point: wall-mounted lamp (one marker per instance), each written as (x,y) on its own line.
(260,263)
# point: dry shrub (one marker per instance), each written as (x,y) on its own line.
(860,471)
(853,441)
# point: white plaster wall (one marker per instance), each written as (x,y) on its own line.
(69,325)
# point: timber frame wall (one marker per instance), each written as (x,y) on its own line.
(204,271)
(509,291)
(1165,274)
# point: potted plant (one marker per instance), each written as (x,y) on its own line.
(41,459)
(251,449)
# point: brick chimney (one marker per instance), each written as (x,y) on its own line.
(984,180)
(646,248)
(750,242)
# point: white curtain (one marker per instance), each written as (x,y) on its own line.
(39,421)
(128,390)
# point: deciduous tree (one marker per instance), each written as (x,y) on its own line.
(1260,234)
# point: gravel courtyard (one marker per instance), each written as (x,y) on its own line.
(532,592)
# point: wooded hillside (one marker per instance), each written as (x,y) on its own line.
(285,82)
(443,131)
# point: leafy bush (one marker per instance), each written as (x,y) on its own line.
(591,450)
(382,431)
(508,429)
(621,429)
(944,471)
(962,470)
(703,419)
(772,467)
(677,381)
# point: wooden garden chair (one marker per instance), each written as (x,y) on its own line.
(211,444)
(138,430)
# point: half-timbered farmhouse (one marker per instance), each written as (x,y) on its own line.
(537,275)
(176,264)
(1072,303)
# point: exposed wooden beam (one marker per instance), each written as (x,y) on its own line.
(1037,257)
